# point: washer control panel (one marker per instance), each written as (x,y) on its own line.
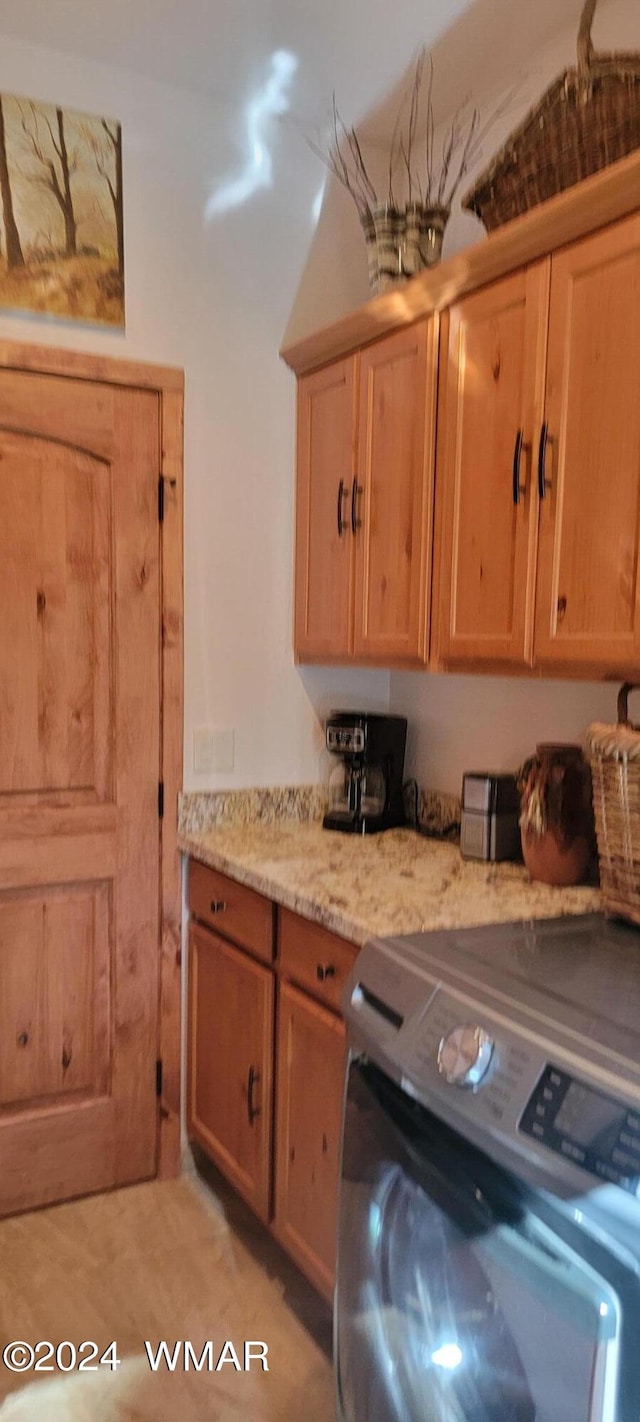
(495,1069)
(586,1126)
(454,1044)
(464,1055)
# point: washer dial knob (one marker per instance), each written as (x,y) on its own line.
(464,1055)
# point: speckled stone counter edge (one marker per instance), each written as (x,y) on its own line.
(199,811)
(204,810)
(360,887)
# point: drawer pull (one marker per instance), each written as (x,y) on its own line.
(218,905)
(324,971)
(252,1079)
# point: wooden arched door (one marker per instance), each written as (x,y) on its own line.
(80,765)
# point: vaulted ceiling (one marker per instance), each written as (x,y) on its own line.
(358,47)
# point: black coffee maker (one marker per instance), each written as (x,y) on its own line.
(365,788)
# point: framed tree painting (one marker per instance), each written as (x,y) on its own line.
(61,215)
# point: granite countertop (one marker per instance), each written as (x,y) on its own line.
(396,882)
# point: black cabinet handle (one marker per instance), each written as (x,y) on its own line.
(517,487)
(356,522)
(324,971)
(217,906)
(543,483)
(252,1080)
(343,494)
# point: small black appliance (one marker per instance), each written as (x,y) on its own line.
(365,787)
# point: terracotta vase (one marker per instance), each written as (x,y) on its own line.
(550,862)
(561,855)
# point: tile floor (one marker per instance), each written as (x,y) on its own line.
(160,1261)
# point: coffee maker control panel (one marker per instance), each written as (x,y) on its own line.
(345,740)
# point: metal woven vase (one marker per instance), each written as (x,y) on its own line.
(402,242)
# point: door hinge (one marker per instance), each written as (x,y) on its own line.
(160,799)
(162,480)
(159,1077)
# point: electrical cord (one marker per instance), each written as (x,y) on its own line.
(411,796)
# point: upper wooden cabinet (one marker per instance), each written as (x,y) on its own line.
(394,496)
(366,432)
(539,466)
(492,369)
(537,490)
(323,614)
(588,594)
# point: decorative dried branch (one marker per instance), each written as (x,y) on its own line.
(435,186)
(395,149)
(449,148)
(404,154)
(351,137)
(463,166)
(336,142)
(430,129)
(414,112)
(480,134)
(346,162)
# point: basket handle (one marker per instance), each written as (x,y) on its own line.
(585,44)
(623,697)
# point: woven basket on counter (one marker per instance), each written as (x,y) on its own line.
(588,118)
(614,755)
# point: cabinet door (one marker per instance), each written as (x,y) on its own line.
(230,1063)
(311,1059)
(393,505)
(588,592)
(323,615)
(492,364)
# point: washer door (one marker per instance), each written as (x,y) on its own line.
(461,1297)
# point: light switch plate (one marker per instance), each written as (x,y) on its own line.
(213,749)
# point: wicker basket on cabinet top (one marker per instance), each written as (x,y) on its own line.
(614,755)
(588,118)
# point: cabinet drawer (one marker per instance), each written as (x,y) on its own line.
(233,910)
(315,958)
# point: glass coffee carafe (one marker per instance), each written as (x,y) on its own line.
(365,784)
(357,789)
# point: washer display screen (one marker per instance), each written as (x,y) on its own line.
(592,1130)
(590,1118)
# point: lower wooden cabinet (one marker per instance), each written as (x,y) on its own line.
(254,1026)
(230,1063)
(310,1074)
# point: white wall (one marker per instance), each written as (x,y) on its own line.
(493,56)
(213,297)
(459,723)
